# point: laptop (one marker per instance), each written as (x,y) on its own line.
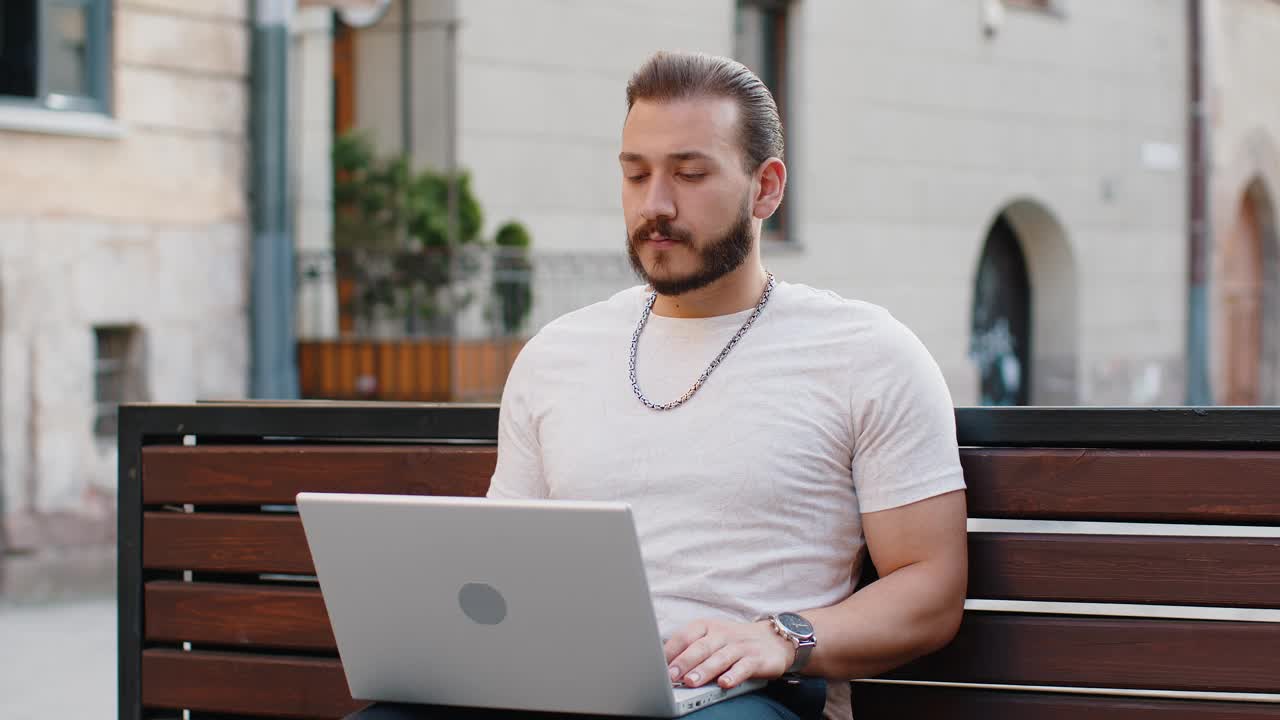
(469,602)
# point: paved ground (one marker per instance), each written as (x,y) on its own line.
(58,660)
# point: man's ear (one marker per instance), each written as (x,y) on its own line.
(771,179)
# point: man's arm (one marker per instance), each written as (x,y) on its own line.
(907,475)
(518,473)
(913,609)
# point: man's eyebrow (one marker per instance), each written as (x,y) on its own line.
(689,155)
(684,155)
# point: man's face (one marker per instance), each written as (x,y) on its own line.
(685,195)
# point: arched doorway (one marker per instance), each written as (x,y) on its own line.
(1245,304)
(1000,327)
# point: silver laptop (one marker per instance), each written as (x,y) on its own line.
(539,605)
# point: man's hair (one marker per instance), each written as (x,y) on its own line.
(669,76)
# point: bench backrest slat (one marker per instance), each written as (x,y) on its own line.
(1160,570)
(226,543)
(246,685)
(275,474)
(1168,486)
(916,701)
(1058,650)
(227,615)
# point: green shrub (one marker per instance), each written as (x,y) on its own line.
(513,277)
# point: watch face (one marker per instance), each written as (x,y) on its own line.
(796,624)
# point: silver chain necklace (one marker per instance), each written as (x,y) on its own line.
(635,345)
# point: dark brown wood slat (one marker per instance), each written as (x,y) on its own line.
(1219,428)
(876,701)
(1211,571)
(1160,486)
(1178,486)
(224,614)
(271,686)
(1137,653)
(266,474)
(225,542)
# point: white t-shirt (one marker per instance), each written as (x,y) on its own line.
(747,497)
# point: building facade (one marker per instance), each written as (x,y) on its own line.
(1008,178)
(123,240)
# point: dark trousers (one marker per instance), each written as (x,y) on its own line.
(780,700)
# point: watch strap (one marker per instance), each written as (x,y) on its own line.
(803,650)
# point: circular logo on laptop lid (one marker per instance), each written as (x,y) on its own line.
(482,603)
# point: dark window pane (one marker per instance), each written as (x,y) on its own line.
(1000,340)
(115,378)
(18,48)
(110,387)
(104,424)
(1032,4)
(66,40)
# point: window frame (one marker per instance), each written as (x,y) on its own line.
(98,62)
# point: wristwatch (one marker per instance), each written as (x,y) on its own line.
(797,631)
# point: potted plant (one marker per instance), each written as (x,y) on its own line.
(404,265)
(512,278)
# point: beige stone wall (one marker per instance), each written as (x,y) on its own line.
(181,101)
(146,227)
(911,129)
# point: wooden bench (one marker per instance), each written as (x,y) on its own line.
(219,614)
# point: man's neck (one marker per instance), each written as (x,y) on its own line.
(739,290)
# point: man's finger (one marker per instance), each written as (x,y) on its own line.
(715,664)
(740,672)
(683,638)
(695,655)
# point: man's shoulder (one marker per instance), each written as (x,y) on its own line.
(624,304)
(873,334)
(580,326)
(833,311)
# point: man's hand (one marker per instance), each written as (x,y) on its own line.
(730,652)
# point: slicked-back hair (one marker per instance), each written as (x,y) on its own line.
(671,76)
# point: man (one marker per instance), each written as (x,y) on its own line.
(764,432)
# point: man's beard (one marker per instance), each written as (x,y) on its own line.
(717,259)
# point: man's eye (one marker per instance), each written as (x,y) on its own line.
(691,176)
(637,178)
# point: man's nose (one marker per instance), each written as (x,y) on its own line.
(659,202)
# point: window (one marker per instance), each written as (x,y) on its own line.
(55,53)
(117,375)
(760,43)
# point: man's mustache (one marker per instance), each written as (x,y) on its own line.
(663,228)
